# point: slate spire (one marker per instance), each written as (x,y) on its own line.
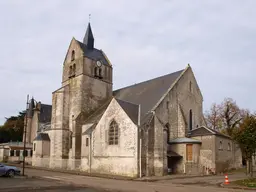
(88,38)
(31,108)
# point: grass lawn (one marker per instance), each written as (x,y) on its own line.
(246,182)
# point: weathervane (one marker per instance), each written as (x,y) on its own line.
(89,18)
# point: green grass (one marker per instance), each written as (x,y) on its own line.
(246,182)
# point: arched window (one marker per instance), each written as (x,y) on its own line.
(190,120)
(220,146)
(73,55)
(96,72)
(74,69)
(113,133)
(70,71)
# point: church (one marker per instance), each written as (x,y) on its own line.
(152,128)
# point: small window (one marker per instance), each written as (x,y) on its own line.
(74,69)
(12,153)
(87,142)
(25,153)
(190,120)
(220,146)
(100,73)
(34,146)
(167,105)
(73,55)
(70,142)
(190,86)
(229,147)
(70,71)
(17,153)
(96,72)
(113,133)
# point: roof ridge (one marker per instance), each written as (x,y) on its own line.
(149,80)
(126,101)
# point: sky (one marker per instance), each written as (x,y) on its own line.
(142,39)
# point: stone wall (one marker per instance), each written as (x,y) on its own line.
(207,154)
(177,104)
(118,159)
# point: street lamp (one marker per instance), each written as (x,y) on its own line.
(25,133)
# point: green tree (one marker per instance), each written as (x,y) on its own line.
(12,130)
(245,136)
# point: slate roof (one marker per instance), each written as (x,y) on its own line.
(94,54)
(147,93)
(45,113)
(204,131)
(184,140)
(42,137)
(132,110)
(31,107)
(88,38)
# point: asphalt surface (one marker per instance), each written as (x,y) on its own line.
(49,181)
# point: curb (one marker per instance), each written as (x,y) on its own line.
(231,186)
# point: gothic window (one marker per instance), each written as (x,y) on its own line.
(70,71)
(74,69)
(113,133)
(73,55)
(190,120)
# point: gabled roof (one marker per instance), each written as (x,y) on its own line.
(132,110)
(147,93)
(204,131)
(42,137)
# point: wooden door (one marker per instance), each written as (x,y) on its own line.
(189,152)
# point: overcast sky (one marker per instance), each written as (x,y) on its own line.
(142,38)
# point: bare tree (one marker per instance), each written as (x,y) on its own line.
(225,117)
(213,118)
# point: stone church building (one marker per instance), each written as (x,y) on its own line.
(151,128)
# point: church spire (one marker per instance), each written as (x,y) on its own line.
(88,38)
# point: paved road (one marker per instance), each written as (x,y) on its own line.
(19,184)
(178,185)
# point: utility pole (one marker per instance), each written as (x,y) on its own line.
(25,133)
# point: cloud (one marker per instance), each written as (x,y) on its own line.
(143,39)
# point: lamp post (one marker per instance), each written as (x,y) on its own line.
(25,133)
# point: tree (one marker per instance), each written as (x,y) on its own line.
(12,130)
(225,117)
(245,136)
(213,118)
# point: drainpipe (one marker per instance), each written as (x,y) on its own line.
(140,142)
(90,145)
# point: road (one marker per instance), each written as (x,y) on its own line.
(200,184)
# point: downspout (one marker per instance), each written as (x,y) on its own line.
(140,142)
(90,145)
